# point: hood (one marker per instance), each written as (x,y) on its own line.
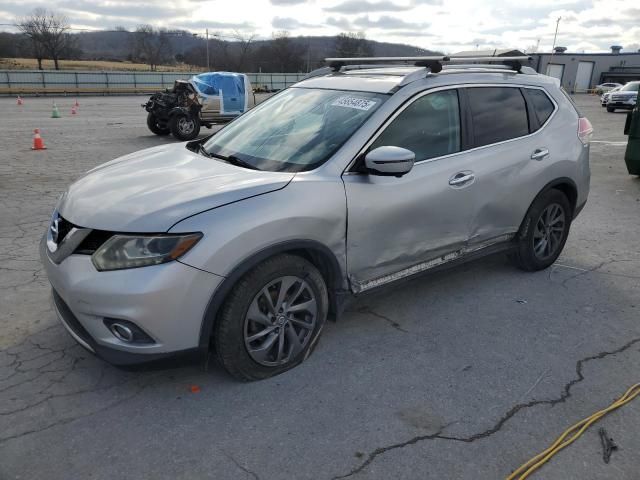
(150,190)
(620,93)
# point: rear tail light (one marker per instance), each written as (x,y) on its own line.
(585,130)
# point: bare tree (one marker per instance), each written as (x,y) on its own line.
(48,32)
(244,43)
(284,55)
(151,46)
(353,45)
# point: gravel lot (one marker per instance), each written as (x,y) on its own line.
(461,375)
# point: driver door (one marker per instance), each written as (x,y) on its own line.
(399,226)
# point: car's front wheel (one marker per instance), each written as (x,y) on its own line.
(611,109)
(184,127)
(155,126)
(271,319)
(544,231)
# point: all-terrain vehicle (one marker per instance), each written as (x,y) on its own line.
(203,100)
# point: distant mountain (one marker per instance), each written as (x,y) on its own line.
(284,53)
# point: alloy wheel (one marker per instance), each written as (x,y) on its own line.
(280,320)
(185,125)
(549,231)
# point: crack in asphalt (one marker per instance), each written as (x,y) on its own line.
(64,421)
(390,321)
(240,466)
(45,371)
(566,394)
(598,267)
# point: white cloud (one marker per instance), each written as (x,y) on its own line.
(449,25)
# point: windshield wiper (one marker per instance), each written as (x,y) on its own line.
(233,160)
(203,150)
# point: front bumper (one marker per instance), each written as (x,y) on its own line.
(167,302)
(626,104)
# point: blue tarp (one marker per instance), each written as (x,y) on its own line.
(210,84)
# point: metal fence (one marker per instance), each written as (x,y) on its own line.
(114,82)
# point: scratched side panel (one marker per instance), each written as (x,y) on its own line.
(395,223)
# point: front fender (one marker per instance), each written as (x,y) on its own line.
(308,215)
(306,209)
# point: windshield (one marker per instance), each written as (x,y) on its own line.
(630,87)
(296,130)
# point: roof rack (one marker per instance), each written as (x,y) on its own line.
(515,63)
(433,63)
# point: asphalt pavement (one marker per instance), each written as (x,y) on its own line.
(461,375)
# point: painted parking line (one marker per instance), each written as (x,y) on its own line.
(613,144)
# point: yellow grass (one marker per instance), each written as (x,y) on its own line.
(32,64)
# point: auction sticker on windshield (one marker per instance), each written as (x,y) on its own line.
(353,102)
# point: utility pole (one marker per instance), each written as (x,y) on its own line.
(207,34)
(555,36)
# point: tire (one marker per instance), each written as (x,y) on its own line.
(611,109)
(184,127)
(152,123)
(250,349)
(532,253)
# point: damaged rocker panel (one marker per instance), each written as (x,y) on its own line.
(429,264)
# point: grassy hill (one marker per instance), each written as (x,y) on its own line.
(101,65)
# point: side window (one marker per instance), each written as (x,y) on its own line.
(541,104)
(498,113)
(429,127)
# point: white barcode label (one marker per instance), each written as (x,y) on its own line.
(354,102)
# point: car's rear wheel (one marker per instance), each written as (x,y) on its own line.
(155,127)
(271,319)
(544,231)
(611,109)
(184,127)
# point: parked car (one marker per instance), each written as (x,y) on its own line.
(204,99)
(604,98)
(625,98)
(246,241)
(606,87)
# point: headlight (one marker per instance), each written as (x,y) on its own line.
(131,251)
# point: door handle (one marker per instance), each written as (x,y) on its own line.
(539,153)
(461,178)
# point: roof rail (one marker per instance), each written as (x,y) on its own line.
(515,63)
(433,63)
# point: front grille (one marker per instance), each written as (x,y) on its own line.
(64,227)
(93,241)
(620,98)
(70,319)
(90,244)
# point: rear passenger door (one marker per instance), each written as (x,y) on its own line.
(508,154)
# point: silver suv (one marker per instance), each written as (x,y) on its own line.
(244,242)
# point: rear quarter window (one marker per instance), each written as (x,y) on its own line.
(498,114)
(542,105)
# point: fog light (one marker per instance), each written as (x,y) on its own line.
(121,332)
(127,331)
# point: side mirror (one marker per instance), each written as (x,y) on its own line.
(389,161)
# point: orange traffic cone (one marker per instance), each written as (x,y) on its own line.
(38,143)
(20,101)
(73,110)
